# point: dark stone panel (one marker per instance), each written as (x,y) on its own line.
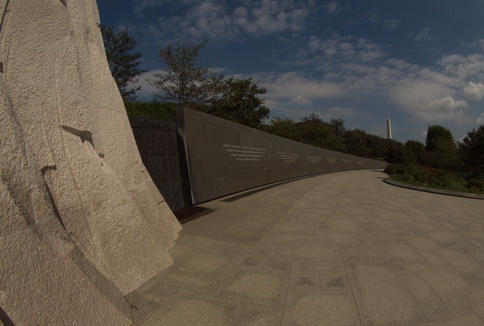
(224,157)
(157,143)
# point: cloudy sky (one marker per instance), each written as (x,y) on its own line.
(419,62)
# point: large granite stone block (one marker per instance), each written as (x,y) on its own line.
(82,222)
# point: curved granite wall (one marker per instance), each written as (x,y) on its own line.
(225,157)
(82,223)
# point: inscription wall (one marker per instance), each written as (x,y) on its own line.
(225,157)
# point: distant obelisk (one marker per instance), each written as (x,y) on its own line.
(389,128)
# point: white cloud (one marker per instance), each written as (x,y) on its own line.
(147,90)
(142,4)
(433,94)
(216,20)
(463,67)
(446,104)
(388,24)
(474,91)
(422,36)
(428,100)
(373,18)
(355,64)
(299,100)
(332,7)
(427,94)
(480,119)
(391,24)
(146,4)
(240,17)
(438,78)
(270,16)
(290,86)
(345,49)
(207,19)
(481,44)
(443,109)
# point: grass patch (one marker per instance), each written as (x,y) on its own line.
(436,178)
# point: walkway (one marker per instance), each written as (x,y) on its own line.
(336,249)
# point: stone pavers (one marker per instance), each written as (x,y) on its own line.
(335,249)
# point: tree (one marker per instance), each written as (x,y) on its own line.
(189,82)
(123,63)
(186,79)
(338,126)
(472,149)
(283,127)
(440,147)
(414,152)
(239,102)
(313,130)
(394,151)
(334,142)
(435,136)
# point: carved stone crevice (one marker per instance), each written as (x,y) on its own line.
(51,198)
(5,319)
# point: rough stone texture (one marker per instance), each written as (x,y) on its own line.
(82,222)
(224,157)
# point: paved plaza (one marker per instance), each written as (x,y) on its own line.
(336,249)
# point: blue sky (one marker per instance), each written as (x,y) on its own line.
(419,62)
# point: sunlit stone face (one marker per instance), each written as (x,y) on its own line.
(83,218)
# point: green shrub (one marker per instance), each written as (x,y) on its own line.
(475,185)
(152,110)
(394,169)
(436,178)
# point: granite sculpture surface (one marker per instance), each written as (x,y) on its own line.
(82,223)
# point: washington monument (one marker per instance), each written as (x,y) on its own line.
(389,128)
